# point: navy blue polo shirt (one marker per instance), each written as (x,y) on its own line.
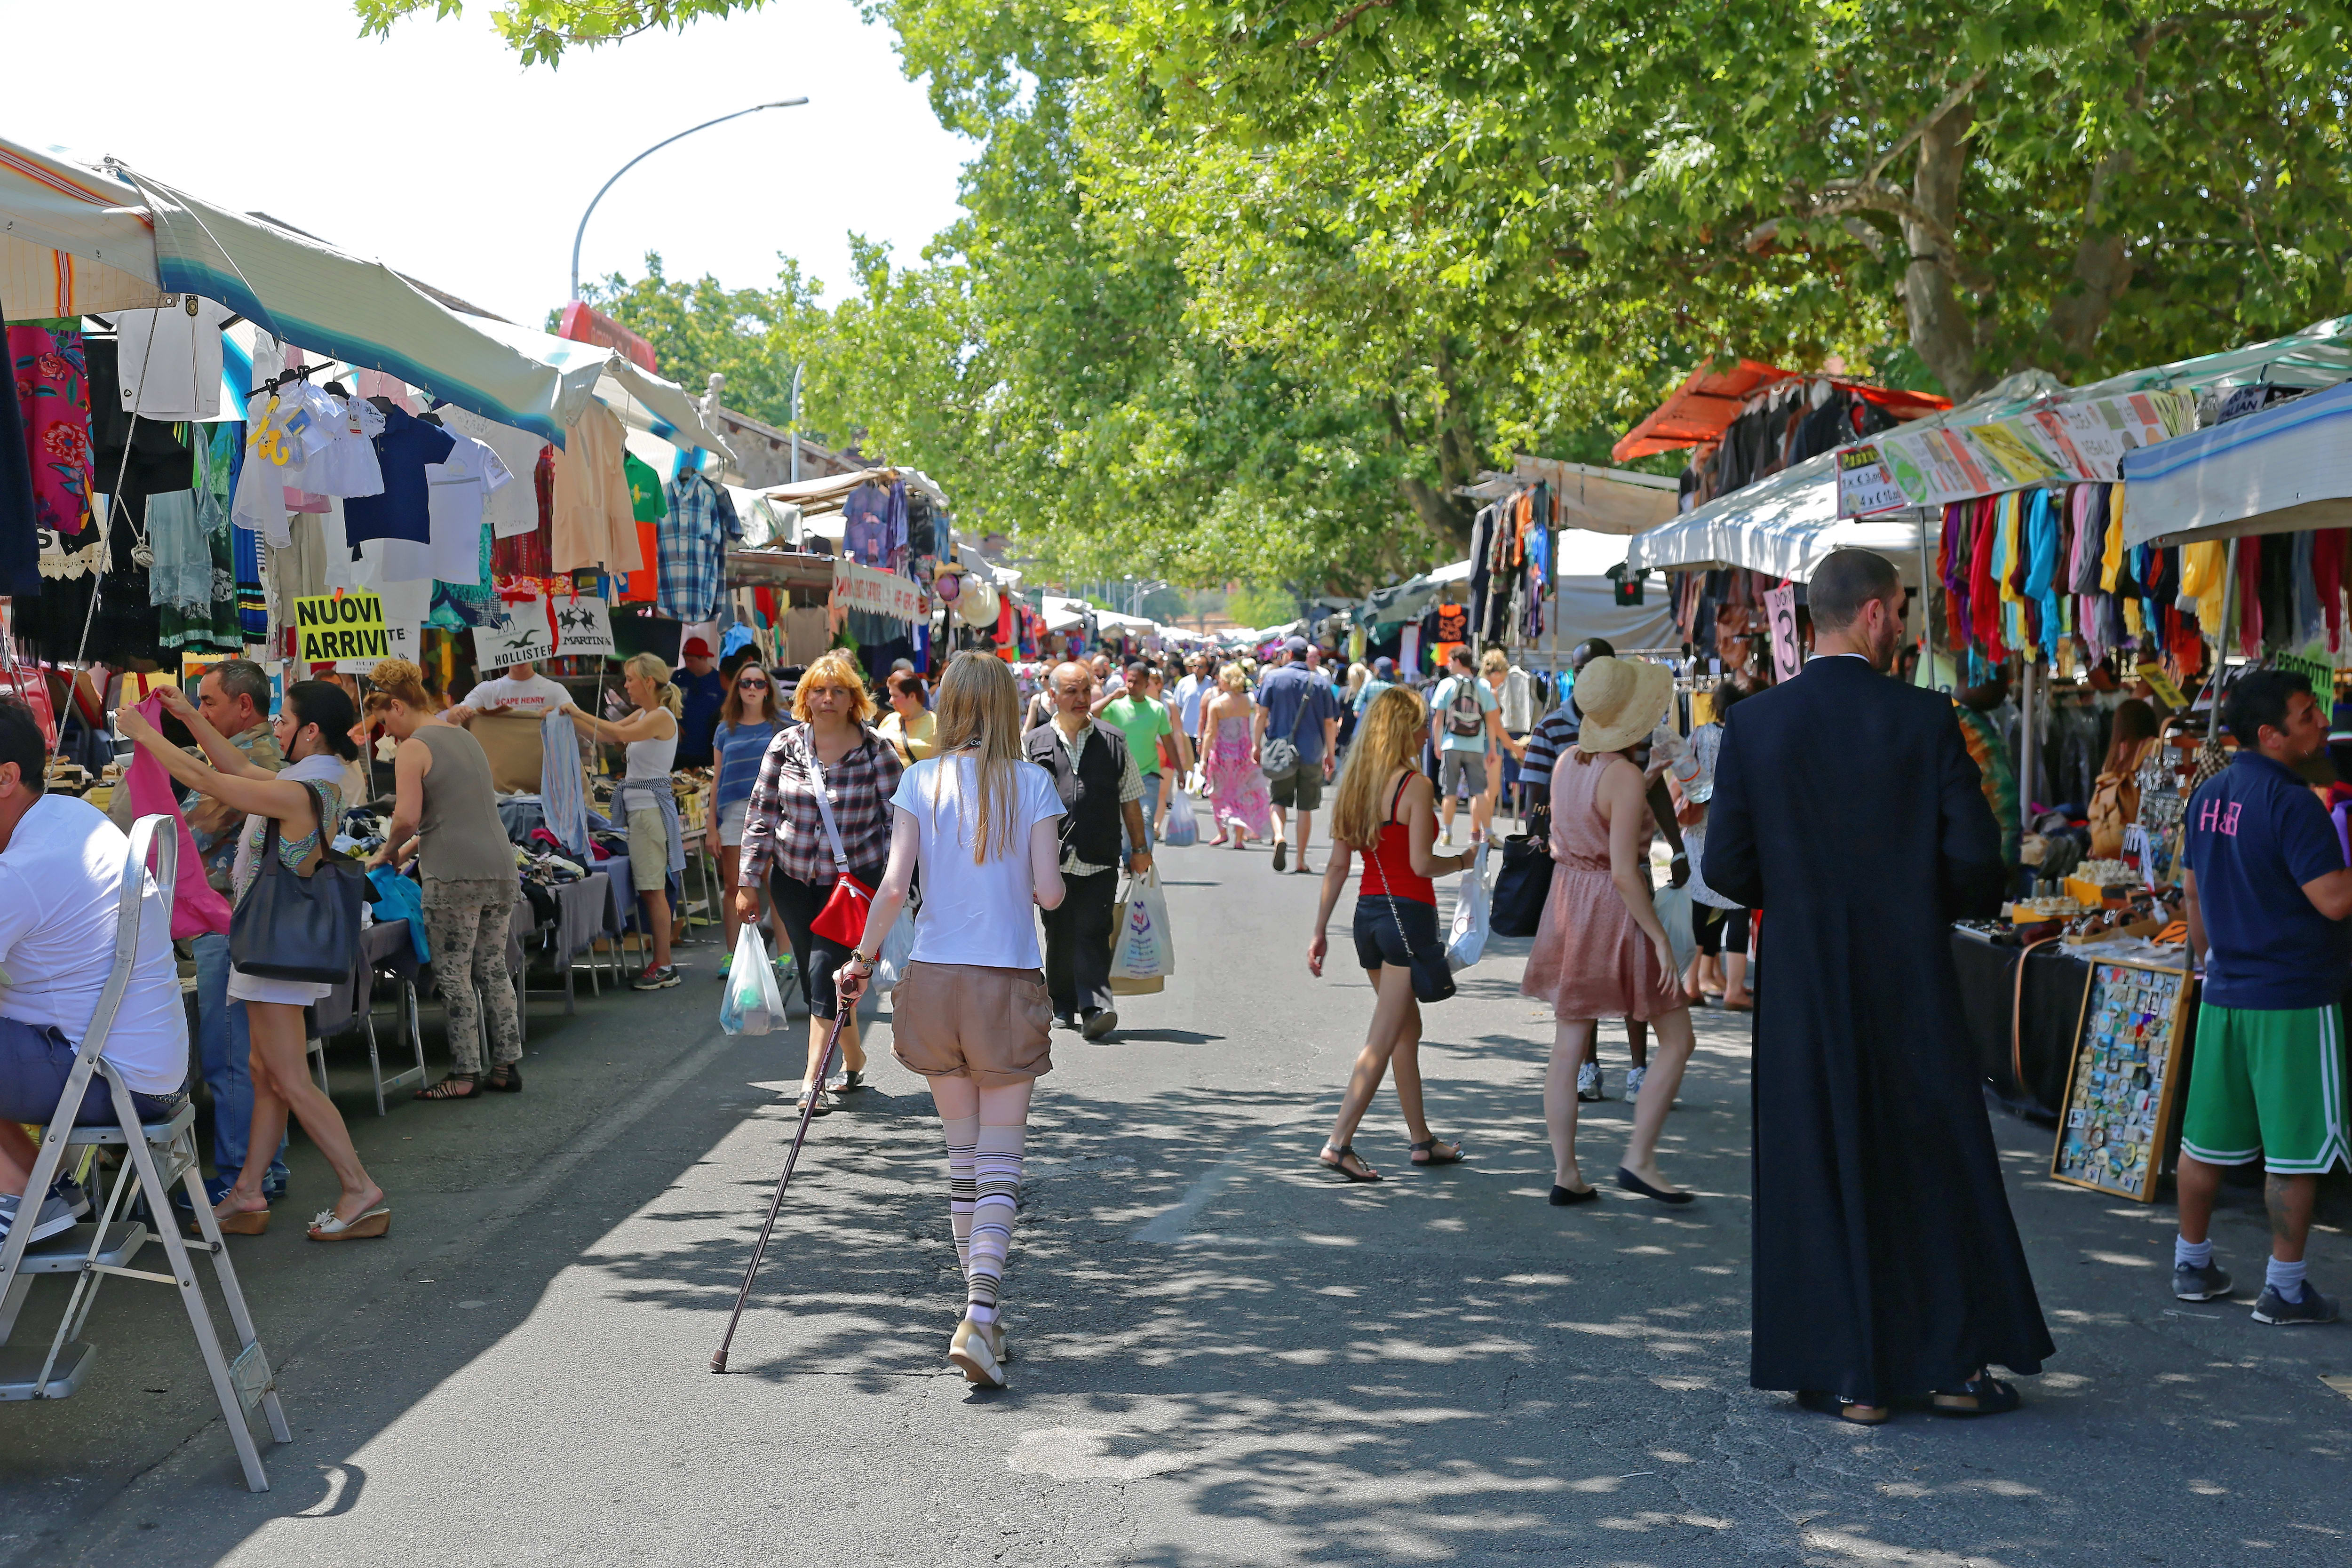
(2255,835)
(1283,694)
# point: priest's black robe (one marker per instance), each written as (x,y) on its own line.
(1887,1263)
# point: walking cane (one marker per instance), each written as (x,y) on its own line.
(808,1111)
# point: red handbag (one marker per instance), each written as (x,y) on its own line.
(842,919)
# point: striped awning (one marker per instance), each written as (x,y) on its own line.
(73,241)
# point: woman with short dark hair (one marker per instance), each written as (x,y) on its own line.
(304,803)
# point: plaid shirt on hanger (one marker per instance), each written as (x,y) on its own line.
(693,550)
(783,830)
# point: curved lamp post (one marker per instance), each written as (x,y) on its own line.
(582,231)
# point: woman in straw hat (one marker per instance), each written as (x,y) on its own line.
(1602,951)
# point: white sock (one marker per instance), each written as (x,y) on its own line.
(963,1136)
(2286,1278)
(997,1169)
(2186,1254)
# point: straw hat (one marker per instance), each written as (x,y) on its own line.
(1622,700)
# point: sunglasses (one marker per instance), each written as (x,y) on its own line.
(750,686)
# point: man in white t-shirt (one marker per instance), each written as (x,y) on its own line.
(521,690)
(60,871)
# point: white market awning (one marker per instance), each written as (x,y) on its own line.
(1781,526)
(2284,470)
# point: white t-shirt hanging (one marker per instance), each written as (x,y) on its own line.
(170,361)
(345,463)
(510,510)
(456,492)
(982,915)
(259,504)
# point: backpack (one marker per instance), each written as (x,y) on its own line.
(1462,714)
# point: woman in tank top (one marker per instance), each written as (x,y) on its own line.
(446,812)
(645,800)
(1387,813)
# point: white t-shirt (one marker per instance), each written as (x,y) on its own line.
(535,697)
(974,914)
(180,356)
(455,494)
(59,878)
(509,510)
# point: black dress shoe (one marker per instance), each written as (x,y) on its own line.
(1561,1197)
(1633,1183)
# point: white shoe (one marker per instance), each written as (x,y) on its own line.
(973,1350)
(1587,1083)
(1634,1076)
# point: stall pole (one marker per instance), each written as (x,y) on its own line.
(2221,639)
(2026,747)
(1927,604)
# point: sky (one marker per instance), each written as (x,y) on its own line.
(437,152)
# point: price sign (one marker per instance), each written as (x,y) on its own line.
(2162,684)
(1865,485)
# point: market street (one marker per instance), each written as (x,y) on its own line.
(1221,1355)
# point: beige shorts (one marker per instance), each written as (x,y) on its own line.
(730,825)
(649,849)
(964,1020)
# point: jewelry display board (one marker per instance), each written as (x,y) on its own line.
(2126,1079)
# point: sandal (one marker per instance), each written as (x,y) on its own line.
(1336,1159)
(375,1223)
(443,1091)
(505,1079)
(1426,1152)
(1854,1413)
(1982,1395)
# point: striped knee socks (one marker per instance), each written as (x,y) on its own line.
(962,1135)
(997,1174)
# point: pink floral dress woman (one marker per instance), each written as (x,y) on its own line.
(1237,790)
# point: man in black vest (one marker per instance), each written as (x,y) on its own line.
(1100,786)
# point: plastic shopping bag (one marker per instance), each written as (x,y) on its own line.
(898,947)
(1674,907)
(1467,944)
(1183,827)
(1143,946)
(753,1005)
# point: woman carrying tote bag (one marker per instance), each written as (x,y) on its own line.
(290,818)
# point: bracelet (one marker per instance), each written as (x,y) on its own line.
(864,964)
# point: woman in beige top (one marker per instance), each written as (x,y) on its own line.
(444,809)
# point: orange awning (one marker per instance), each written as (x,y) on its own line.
(1704,406)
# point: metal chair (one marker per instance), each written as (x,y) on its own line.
(156,1155)
(353,1004)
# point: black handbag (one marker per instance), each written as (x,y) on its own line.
(1432,976)
(1521,888)
(292,927)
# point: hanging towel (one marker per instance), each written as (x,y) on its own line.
(197,909)
(560,800)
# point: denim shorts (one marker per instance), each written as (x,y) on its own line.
(1394,930)
(36,1061)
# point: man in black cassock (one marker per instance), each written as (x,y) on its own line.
(1847,810)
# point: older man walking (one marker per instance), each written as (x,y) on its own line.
(1297,708)
(1887,1262)
(1094,774)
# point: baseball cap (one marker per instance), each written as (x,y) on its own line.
(694,649)
(1297,645)
(1384,667)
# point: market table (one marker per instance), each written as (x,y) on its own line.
(2024,1043)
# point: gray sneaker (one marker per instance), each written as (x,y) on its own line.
(2274,1307)
(77,1201)
(1588,1083)
(2193,1284)
(54,1216)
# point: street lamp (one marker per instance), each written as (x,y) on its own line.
(582,231)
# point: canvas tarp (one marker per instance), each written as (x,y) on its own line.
(2283,469)
(72,239)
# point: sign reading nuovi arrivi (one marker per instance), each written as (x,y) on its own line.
(339,626)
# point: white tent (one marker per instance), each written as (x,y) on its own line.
(2284,470)
(1781,526)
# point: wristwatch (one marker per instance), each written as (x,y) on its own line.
(866,964)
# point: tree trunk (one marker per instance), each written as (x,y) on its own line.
(1941,332)
(2102,268)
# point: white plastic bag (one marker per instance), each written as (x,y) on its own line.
(1183,827)
(752,1004)
(1143,946)
(1468,943)
(1674,907)
(898,947)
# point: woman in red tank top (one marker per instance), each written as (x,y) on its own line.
(1386,812)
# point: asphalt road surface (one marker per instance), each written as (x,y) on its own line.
(1222,1356)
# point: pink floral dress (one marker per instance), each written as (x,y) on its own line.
(1237,790)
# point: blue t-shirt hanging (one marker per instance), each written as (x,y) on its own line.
(405,509)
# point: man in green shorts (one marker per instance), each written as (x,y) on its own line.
(2268,895)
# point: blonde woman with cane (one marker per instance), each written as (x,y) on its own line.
(972,1014)
(644,798)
